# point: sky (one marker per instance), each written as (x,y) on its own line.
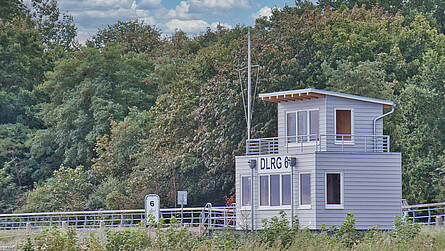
(191,16)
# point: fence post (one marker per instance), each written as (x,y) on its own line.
(28,227)
(439,221)
(64,226)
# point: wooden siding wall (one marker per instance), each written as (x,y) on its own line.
(305,163)
(372,188)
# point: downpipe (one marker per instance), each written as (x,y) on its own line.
(375,122)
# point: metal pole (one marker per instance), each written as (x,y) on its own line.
(249,94)
(251,200)
(182,211)
(292,195)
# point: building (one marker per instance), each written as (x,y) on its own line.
(342,163)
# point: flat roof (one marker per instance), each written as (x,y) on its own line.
(311,93)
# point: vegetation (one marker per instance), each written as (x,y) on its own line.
(276,235)
(130,113)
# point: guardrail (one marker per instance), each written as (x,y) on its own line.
(319,143)
(425,214)
(210,217)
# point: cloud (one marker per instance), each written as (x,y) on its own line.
(192,26)
(225,4)
(263,12)
(181,11)
(149,4)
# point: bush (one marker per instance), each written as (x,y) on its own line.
(52,240)
(127,239)
(279,229)
(405,230)
(347,233)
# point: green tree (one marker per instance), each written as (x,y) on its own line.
(134,36)
(87,91)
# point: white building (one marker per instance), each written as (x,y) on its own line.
(343,163)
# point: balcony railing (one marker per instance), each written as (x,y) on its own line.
(318,143)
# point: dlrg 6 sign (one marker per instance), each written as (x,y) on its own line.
(152,208)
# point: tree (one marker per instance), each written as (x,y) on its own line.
(134,36)
(87,91)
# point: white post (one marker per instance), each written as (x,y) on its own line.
(249,94)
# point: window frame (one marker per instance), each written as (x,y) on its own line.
(334,206)
(308,127)
(306,206)
(345,142)
(269,207)
(241,194)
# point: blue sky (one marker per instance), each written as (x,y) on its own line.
(191,16)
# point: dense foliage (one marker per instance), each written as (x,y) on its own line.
(131,113)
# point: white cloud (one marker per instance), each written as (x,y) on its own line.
(225,4)
(192,26)
(263,12)
(181,10)
(149,4)
(186,25)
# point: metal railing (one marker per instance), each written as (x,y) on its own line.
(208,216)
(318,143)
(426,214)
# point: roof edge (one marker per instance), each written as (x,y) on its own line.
(329,93)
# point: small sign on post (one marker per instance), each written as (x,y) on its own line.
(182,200)
(152,208)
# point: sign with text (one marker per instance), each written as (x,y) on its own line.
(274,164)
(182,197)
(152,208)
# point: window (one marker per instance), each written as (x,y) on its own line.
(291,127)
(314,123)
(246,191)
(264,190)
(275,190)
(334,190)
(301,124)
(285,191)
(343,124)
(305,190)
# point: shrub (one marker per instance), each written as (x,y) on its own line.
(52,240)
(405,230)
(279,229)
(127,239)
(347,233)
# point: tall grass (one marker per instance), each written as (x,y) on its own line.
(277,235)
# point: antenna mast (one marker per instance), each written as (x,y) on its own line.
(249,94)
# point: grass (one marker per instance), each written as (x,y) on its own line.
(427,238)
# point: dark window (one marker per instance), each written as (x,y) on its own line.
(305,189)
(314,125)
(302,126)
(285,192)
(343,124)
(246,191)
(264,190)
(333,189)
(291,127)
(275,190)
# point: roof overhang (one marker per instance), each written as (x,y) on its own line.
(311,93)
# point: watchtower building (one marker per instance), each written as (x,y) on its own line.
(330,158)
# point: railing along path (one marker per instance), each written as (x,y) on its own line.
(426,214)
(208,216)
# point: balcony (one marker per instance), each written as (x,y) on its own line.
(318,143)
